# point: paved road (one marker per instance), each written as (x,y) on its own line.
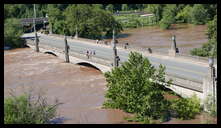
(182,69)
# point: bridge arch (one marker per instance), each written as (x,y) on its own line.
(89,65)
(51,53)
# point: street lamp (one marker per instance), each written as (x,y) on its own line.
(211,63)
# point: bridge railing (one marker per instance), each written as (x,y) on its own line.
(77,54)
(132,47)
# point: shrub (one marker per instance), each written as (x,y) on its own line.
(133,87)
(24,110)
(186,108)
(12,33)
(210,106)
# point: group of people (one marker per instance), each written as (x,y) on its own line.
(89,53)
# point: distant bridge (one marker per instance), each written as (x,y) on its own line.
(28,21)
(189,76)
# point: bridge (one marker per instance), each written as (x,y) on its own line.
(28,21)
(189,76)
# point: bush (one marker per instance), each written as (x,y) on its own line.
(134,88)
(186,108)
(24,110)
(210,106)
(12,33)
(199,14)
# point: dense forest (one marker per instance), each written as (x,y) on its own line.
(97,21)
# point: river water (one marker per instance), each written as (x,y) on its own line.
(187,37)
(80,89)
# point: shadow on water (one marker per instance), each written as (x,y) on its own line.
(51,53)
(88,65)
(123,35)
(58,120)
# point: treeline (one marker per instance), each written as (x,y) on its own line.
(96,21)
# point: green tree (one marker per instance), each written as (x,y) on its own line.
(133,87)
(199,14)
(54,14)
(91,22)
(12,33)
(184,14)
(110,8)
(25,109)
(157,10)
(124,7)
(169,13)
(209,48)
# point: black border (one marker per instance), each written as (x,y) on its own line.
(111,2)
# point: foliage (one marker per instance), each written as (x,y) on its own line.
(12,33)
(186,108)
(184,15)
(169,13)
(132,87)
(199,14)
(157,10)
(90,22)
(210,106)
(125,7)
(110,7)
(25,110)
(209,48)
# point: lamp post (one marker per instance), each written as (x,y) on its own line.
(212,72)
(36,36)
(115,64)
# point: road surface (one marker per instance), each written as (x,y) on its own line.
(184,69)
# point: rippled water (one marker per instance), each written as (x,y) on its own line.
(187,37)
(80,89)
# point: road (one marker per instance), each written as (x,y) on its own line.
(183,69)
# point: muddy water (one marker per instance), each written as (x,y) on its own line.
(80,89)
(187,37)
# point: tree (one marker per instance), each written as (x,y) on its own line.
(124,7)
(12,33)
(133,87)
(157,10)
(54,14)
(91,22)
(169,13)
(209,48)
(184,14)
(199,14)
(110,8)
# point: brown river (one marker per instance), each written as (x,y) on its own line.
(187,37)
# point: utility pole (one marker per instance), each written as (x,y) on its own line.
(36,36)
(66,49)
(115,64)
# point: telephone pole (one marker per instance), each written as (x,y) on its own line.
(36,36)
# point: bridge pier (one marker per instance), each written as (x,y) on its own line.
(66,50)
(209,89)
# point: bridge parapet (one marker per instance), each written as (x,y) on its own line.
(142,50)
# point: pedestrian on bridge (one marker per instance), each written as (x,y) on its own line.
(87,54)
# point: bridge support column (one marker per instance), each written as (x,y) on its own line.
(209,95)
(66,50)
(174,49)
